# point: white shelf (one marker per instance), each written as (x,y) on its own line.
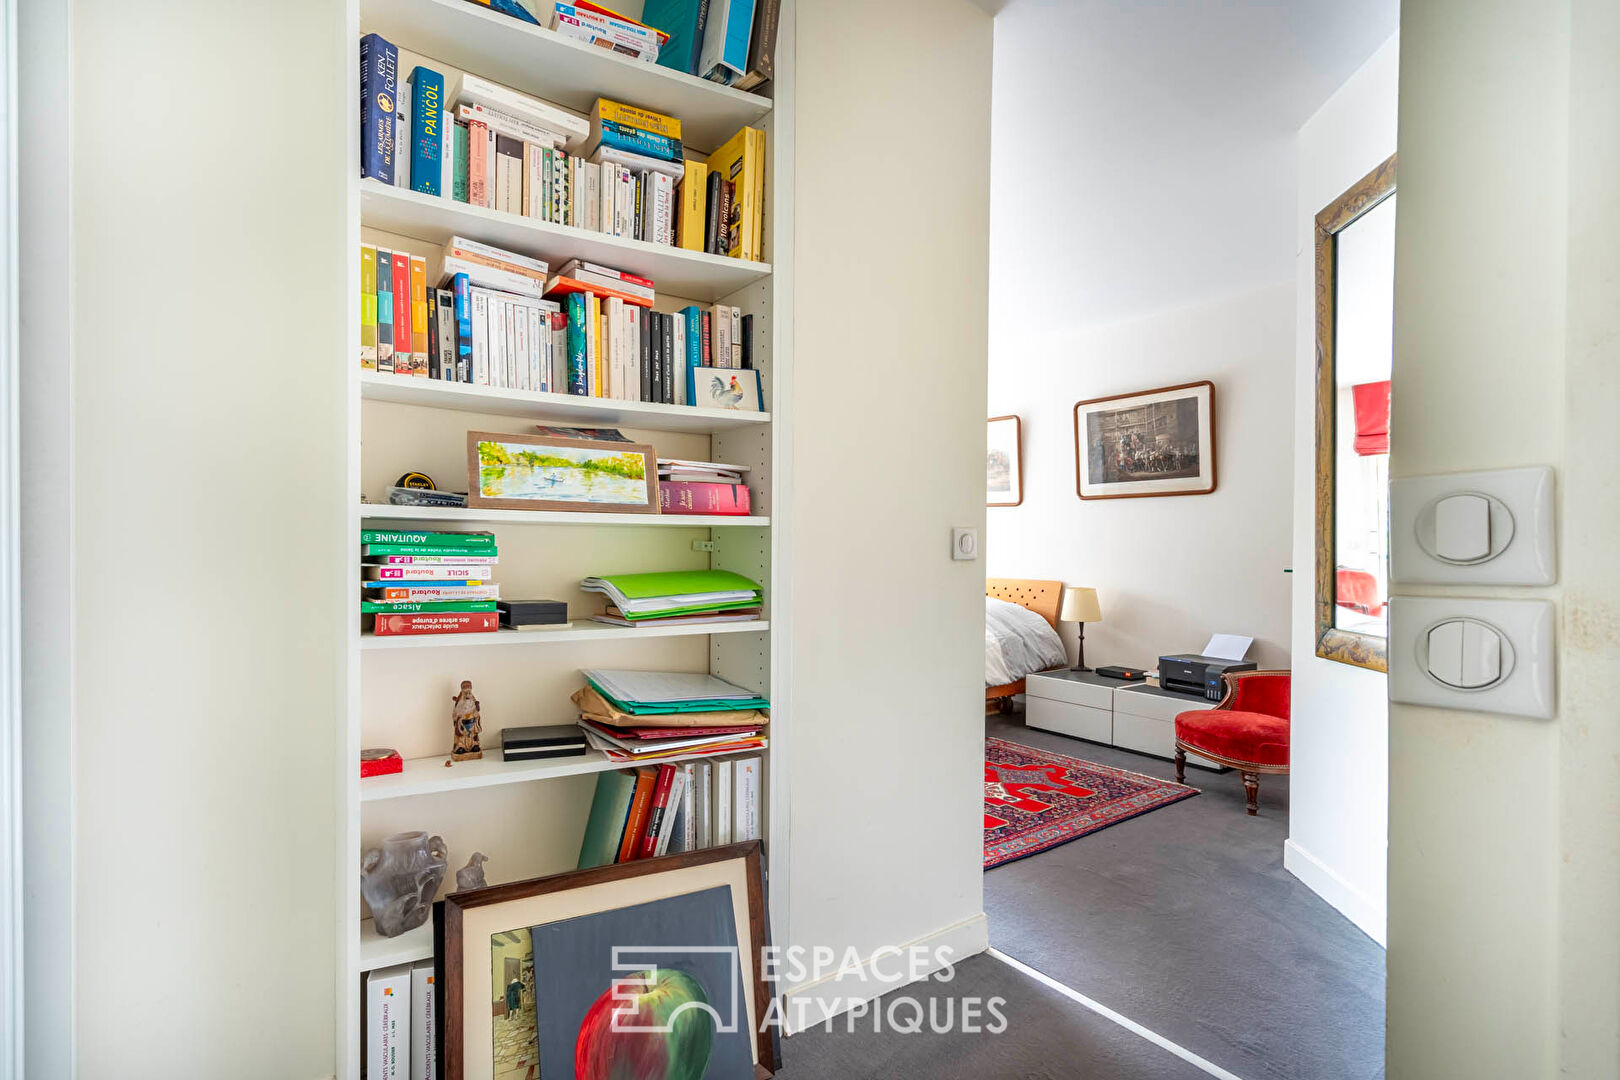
(377,951)
(469,516)
(588,632)
(674,271)
(428,776)
(583,411)
(559,69)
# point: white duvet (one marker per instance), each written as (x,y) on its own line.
(1016,642)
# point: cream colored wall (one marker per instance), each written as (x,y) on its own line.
(209,258)
(887,447)
(1503,865)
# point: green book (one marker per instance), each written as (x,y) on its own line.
(425,549)
(610,809)
(406,607)
(432,539)
(458,182)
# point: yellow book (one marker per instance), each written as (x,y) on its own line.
(598,346)
(741,163)
(758,136)
(631,116)
(419,320)
(368,307)
(691,214)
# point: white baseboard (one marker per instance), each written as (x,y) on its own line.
(1369,915)
(819,1000)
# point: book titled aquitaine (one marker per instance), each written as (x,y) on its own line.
(434,539)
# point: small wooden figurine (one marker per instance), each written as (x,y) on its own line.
(466,725)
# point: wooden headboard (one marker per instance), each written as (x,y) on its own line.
(1041,597)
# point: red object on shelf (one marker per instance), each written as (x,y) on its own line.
(695,497)
(437,622)
(380,762)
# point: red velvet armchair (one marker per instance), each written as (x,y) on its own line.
(1247,731)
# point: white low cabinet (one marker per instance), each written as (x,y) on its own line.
(1132,716)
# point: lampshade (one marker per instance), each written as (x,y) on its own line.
(1080,605)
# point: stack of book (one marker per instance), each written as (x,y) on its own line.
(701,487)
(401,1032)
(676,598)
(608,29)
(487,323)
(659,810)
(727,41)
(428,582)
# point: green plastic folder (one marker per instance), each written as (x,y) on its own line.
(639,708)
(679,583)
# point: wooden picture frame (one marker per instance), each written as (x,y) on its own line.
(1014,467)
(1191,470)
(465,922)
(615,497)
(1343,646)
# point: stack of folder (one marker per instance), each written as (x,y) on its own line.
(676,598)
(648,715)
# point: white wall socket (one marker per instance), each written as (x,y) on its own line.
(964,544)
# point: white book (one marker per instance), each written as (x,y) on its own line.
(639,162)
(607,187)
(624,204)
(720,333)
(491,163)
(687,835)
(722,803)
(480,91)
(388,1023)
(576,192)
(535,165)
(745,800)
(460,244)
(592,333)
(672,809)
(480,335)
(736,337)
(724,56)
(514,127)
(663,208)
(411,572)
(490,277)
(447,156)
(402,138)
(559,361)
(538,368)
(703,804)
(677,363)
(632,367)
(424,1045)
(520,347)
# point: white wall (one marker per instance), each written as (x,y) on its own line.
(887,452)
(1503,862)
(209,263)
(1338,802)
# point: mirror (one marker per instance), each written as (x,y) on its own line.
(1355,305)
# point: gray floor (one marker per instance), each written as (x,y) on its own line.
(1183,920)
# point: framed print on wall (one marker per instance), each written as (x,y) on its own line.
(545,472)
(1004,462)
(1152,442)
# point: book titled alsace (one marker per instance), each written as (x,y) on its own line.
(691,497)
(379,73)
(438,622)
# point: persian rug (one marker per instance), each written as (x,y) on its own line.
(1035,800)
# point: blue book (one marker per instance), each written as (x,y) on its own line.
(461,287)
(618,136)
(683,21)
(379,64)
(724,58)
(427,130)
(578,381)
(694,335)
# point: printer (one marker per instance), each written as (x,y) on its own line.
(1191,673)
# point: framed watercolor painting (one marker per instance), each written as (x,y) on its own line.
(1153,442)
(644,969)
(1004,462)
(725,388)
(546,472)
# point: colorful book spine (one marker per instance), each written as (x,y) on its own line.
(419,316)
(692,497)
(410,549)
(437,622)
(478,559)
(578,375)
(724,58)
(657,812)
(379,64)
(636,141)
(480,540)
(458,183)
(461,287)
(404,361)
(408,607)
(385,311)
(444,333)
(631,116)
(445,591)
(476,572)
(478,164)
(434,369)
(427,132)
(368,307)
(635,823)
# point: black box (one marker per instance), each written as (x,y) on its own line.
(532,612)
(549,741)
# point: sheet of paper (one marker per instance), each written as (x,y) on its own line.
(666,686)
(1228,646)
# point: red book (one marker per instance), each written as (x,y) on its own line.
(656,817)
(635,825)
(707,358)
(562,286)
(693,497)
(438,622)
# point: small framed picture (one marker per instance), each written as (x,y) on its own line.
(545,472)
(1152,442)
(1004,463)
(724,388)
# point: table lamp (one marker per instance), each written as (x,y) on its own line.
(1080,606)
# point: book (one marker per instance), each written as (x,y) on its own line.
(629,159)
(615,136)
(593,24)
(458,188)
(747,324)
(424,1029)
(461,289)
(578,376)
(388,1023)
(427,131)
(429,539)
(684,21)
(419,320)
(368,307)
(409,607)
(433,333)
(724,58)
(385,311)
(479,571)
(741,163)
(402,135)
(723,820)
(635,824)
(610,810)
(447,155)
(736,337)
(657,812)
(670,362)
(703,804)
(436,622)
(684,497)
(430,591)
(762,45)
(631,116)
(477,164)
(618,279)
(404,341)
(502,122)
(410,549)
(560,286)
(480,91)
(477,559)
(745,800)
(712,208)
(671,822)
(444,332)
(379,64)
(481,275)
(686,817)
(496,258)
(690,217)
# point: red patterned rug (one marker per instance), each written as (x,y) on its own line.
(1035,800)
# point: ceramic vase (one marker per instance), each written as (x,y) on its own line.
(400,879)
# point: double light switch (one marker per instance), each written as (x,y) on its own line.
(1466,654)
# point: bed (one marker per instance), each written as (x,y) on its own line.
(1041,597)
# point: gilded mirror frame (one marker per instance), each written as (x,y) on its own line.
(1332,643)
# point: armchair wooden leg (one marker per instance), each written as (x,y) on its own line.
(1181,765)
(1251,788)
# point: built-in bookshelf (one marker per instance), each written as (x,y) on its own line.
(528,817)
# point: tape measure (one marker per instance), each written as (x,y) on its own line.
(420,481)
